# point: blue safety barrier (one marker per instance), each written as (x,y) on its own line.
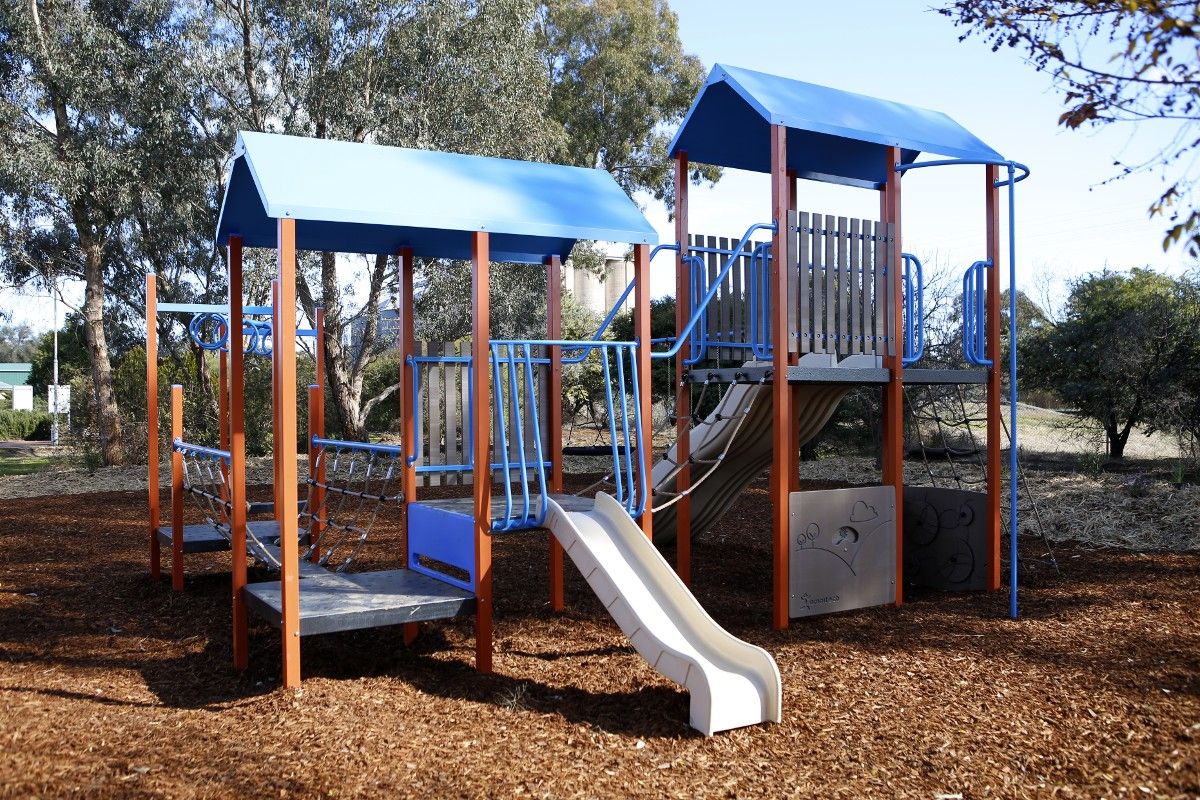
(200,451)
(975,313)
(914,310)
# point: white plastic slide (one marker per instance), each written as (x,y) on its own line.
(732,683)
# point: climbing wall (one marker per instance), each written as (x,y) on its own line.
(843,549)
(945,538)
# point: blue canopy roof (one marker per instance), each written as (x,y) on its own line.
(364,198)
(833,136)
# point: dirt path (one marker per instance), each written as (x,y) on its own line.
(112,686)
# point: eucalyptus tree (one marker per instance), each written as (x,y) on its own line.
(90,100)
(451,75)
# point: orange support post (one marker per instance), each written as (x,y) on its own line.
(223,420)
(408,432)
(641,334)
(992,207)
(793,358)
(237,458)
(176,489)
(284,354)
(276,419)
(316,466)
(783,461)
(683,390)
(893,392)
(152,423)
(554,417)
(481,448)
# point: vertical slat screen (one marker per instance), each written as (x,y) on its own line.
(880,276)
(856,304)
(843,287)
(803,268)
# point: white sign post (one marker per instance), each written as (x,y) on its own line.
(22,398)
(58,398)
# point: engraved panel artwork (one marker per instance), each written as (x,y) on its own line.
(843,549)
(945,538)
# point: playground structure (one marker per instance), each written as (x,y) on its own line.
(824,305)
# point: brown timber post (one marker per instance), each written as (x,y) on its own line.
(893,392)
(992,206)
(783,461)
(683,389)
(554,416)
(480,448)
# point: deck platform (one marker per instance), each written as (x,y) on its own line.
(332,602)
(204,538)
(840,375)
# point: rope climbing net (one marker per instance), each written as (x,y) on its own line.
(350,483)
(206,481)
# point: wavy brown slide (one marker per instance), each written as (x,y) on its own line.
(749,453)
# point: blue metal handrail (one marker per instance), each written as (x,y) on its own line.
(974,310)
(914,310)
(365,447)
(706,294)
(760,301)
(200,451)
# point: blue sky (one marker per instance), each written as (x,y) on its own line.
(1068,223)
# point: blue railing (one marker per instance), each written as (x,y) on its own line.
(393,450)
(200,451)
(759,283)
(695,332)
(914,310)
(974,314)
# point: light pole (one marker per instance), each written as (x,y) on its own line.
(54,323)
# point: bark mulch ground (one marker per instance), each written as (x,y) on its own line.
(113,686)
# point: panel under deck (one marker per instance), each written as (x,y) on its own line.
(332,602)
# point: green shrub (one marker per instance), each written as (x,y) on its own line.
(24,425)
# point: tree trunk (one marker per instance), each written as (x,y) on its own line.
(340,380)
(108,416)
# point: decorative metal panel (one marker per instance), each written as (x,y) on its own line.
(945,538)
(843,549)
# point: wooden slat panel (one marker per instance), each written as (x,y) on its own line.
(805,270)
(452,426)
(737,305)
(843,287)
(893,272)
(793,269)
(830,237)
(464,401)
(855,294)
(725,300)
(712,260)
(818,286)
(437,378)
(880,265)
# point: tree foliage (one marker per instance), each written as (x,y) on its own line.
(1115,61)
(620,77)
(1119,354)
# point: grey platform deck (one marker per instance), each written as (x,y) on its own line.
(344,602)
(840,375)
(204,538)
(465,505)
